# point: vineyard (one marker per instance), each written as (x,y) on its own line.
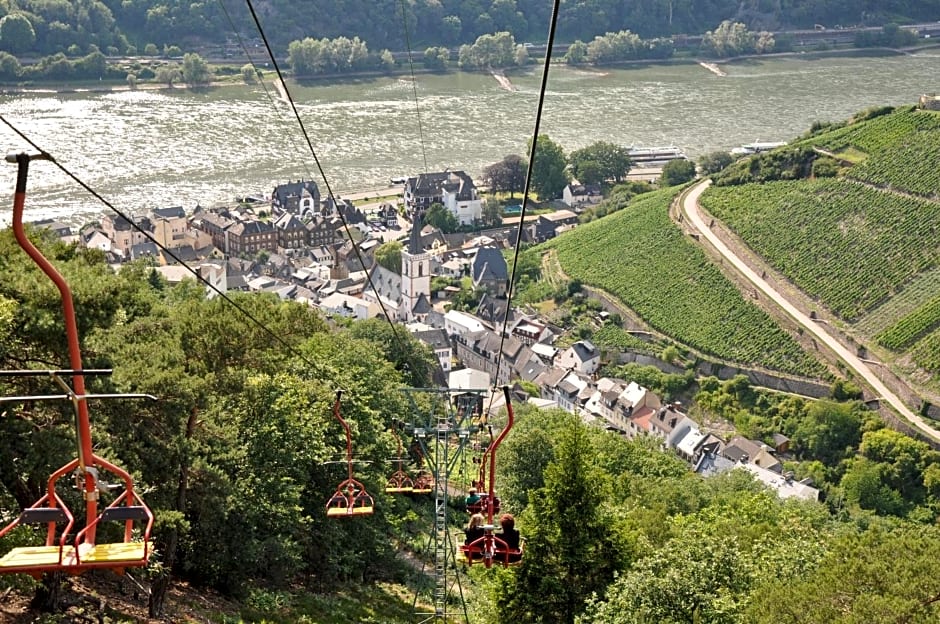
(611,336)
(903,150)
(639,256)
(926,353)
(847,245)
(915,294)
(909,329)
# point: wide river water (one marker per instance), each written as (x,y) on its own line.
(147,149)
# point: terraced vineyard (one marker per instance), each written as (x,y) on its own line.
(915,294)
(610,335)
(903,150)
(639,256)
(926,353)
(909,329)
(847,245)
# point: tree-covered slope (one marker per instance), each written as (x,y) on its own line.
(619,533)
(641,257)
(241,452)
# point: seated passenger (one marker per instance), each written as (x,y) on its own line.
(509,534)
(472,498)
(474,530)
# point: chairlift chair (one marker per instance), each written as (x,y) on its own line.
(399,482)
(491,548)
(351,497)
(58,553)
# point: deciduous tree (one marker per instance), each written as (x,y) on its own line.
(196,71)
(599,162)
(16,33)
(678,171)
(548,172)
(507,175)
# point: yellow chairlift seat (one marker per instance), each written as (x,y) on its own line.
(117,555)
(35,560)
(129,554)
(424,483)
(346,503)
(399,483)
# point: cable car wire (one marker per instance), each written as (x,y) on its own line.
(326,183)
(223,294)
(414,83)
(258,74)
(525,192)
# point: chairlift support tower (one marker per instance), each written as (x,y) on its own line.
(443,433)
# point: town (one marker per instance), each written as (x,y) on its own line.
(321,252)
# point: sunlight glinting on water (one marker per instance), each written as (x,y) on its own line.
(148,149)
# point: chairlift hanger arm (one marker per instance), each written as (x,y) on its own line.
(31,372)
(113,556)
(68,397)
(492,451)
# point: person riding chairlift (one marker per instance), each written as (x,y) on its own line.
(472,498)
(474,530)
(510,535)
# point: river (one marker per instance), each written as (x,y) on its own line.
(147,149)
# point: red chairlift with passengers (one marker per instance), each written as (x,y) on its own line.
(351,497)
(400,482)
(491,547)
(59,552)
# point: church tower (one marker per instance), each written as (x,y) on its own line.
(415,276)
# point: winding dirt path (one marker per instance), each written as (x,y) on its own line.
(691,211)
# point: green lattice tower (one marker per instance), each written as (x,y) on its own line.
(443,428)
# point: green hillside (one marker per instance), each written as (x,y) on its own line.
(641,257)
(850,214)
(899,150)
(849,246)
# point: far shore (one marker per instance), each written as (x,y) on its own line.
(271,78)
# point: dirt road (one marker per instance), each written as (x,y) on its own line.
(692,213)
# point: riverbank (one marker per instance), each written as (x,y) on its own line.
(504,80)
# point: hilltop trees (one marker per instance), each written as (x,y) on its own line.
(16,33)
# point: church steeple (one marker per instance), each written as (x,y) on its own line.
(414,239)
(415,272)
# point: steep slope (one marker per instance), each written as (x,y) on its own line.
(641,257)
(863,242)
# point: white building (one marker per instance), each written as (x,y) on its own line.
(459,323)
(349,307)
